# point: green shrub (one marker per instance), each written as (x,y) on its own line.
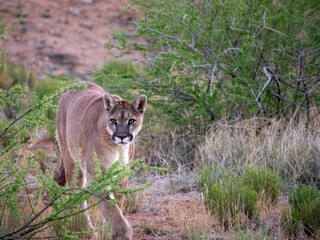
(290,221)
(196,236)
(4,140)
(223,199)
(222,194)
(250,204)
(225,195)
(304,210)
(263,181)
(209,61)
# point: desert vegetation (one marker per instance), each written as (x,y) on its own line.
(233,121)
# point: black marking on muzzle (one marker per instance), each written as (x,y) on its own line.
(130,136)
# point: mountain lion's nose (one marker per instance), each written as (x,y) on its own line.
(122,136)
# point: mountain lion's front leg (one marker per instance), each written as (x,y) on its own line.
(121,228)
(121,197)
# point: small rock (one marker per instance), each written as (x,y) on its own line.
(32,182)
(87,1)
(74,11)
(43,134)
(62,59)
(40,47)
(23,29)
(87,25)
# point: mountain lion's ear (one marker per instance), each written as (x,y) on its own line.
(109,102)
(140,103)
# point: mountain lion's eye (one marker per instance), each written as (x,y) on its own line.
(113,121)
(131,121)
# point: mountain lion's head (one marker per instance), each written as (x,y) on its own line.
(124,118)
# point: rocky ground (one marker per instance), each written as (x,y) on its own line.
(63,36)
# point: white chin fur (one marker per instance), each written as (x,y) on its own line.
(122,143)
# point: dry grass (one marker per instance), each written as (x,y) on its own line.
(172,216)
(286,148)
(190,216)
(132,202)
(164,147)
(183,180)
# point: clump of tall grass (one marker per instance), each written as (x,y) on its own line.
(222,194)
(254,234)
(303,212)
(227,193)
(132,202)
(263,181)
(286,148)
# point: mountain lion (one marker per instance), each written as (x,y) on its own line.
(92,121)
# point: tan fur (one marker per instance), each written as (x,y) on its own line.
(84,128)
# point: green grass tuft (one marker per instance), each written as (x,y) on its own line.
(227,193)
(303,211)
(263,181)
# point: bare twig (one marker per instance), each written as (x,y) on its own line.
(176,39)
(266,84)
(211,80)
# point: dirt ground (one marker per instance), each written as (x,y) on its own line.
(63,35)
(167,214)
